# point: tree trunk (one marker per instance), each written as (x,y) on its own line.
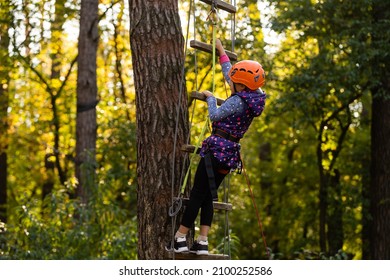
(366,194)
(56,56)
(323,194)
(380,184)
(86,97)
(335,234)
(157,53)
(380,135)
(5,14)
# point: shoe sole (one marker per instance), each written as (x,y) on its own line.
(181,250)
(199,253)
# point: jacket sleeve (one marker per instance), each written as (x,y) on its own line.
(232,105)
(226,66)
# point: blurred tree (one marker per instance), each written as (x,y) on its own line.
(380,130)
(86,98)
(53,158)
(5,68)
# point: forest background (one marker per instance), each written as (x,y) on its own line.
(308,157)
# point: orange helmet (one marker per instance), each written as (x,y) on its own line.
(249,73)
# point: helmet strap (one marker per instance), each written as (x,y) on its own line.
(234,86)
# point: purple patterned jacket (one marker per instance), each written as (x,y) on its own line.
(234,116)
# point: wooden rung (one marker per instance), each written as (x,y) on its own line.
(217,205)
(222,5)
(209,48)
(200,96)
(189,148)
(191,256)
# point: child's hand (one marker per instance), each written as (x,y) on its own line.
(219,47)
(218,44)
(207,93)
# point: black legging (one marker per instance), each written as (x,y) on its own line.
(200,197)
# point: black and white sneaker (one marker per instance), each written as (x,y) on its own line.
(200,247)
(180,245)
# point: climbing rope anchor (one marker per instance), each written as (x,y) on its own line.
(213,16)
(176,206)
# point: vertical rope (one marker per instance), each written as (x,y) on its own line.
(233,27)
(173,220)
(193,155)
(227,228)
(214,51)
(256,210)
(227,225)
(188,140)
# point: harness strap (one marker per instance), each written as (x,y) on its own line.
(211,176)
(225,135)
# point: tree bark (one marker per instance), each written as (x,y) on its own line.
(157,54)
(380,174)
(323,193)
(5,14)
(335,234)
(380,135)
(380,182)
(366,193)
(86,97)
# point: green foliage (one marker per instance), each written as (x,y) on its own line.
(308,255)
(229,245)
(67,229)
(304,254)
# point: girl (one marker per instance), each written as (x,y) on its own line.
(220,152)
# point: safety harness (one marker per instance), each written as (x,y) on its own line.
(209,164)
(221,133)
